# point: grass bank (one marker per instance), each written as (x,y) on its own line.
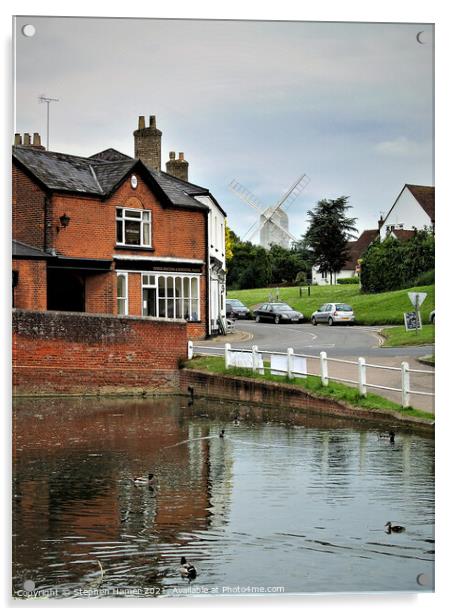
(398,336)
(370,309)
(334,391)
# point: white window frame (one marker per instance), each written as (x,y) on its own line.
(123,218)
(126,298)
(194,302)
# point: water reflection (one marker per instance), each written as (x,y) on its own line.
(299,503)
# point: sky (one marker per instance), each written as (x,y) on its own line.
(261,102)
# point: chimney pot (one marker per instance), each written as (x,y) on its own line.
(141,122)
(152,121)
(26,138)
(17,139)
(172,155)
(36,139)
(181,156)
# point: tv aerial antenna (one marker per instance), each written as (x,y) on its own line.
(46,99)
(272,221)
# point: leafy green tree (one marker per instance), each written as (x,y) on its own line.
(328,234)
(394,264)
(286,264)
(249,267)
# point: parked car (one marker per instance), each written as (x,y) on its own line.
(333,314)
(432,317)
(235,309)
(278,312)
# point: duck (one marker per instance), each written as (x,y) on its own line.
(394,528)
(187,570)
(144,481)
(222,434)
(392,436)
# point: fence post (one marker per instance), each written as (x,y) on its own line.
(362,376)
(227,354)
(189,349)
(405,384)
(324,368)
(254,358)
(290,362)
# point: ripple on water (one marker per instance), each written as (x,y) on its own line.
(255,508)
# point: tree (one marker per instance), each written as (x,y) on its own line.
(229,242)
(249,266)
(328,234)
(286,264)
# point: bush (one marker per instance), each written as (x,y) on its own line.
(424,279)
(352,280)
(392,264)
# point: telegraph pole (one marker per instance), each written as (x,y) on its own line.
(47,100)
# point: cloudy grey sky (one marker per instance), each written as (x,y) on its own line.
(349,104)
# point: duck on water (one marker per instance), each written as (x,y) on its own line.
(187,570)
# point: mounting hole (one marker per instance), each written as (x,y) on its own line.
(29,30)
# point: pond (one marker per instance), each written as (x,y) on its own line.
(284,503)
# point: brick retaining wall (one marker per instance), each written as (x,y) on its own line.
(86,354)
(281,395)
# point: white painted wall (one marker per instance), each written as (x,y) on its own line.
(318,278)
(407,212)
(217,275)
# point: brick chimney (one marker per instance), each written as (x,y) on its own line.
(147,142)
(380,222)
(36,145)
(179,168)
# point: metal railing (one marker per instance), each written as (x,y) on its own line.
(252,359)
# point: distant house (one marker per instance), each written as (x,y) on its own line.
(413,209)
(112,234)
(356,250)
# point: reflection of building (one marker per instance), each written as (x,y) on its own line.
(78,484)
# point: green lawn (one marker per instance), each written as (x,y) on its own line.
(335,391)
(370,309)
(398,336)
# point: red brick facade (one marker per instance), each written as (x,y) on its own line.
(177,233)
(70,353)
(31,290)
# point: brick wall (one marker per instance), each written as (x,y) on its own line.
(31,291)
(77,353)
(281,395)
(29,210)
(100,293)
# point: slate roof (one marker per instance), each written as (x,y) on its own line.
(358,247)
(19,249)
(101,173)
(425,195)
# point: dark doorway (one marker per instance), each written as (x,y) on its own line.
(65,290)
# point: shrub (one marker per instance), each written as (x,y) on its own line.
(351,280)
(424,279)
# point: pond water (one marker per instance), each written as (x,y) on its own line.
(283,503)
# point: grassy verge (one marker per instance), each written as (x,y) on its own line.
(398,336)
(370,309)
(335,391)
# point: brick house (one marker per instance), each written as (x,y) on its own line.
(111,234)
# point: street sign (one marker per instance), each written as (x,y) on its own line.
(417,299)
(412,320)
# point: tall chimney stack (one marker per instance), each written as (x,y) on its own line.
(178,168)
(147,142)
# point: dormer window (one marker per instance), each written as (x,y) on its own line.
(133,227)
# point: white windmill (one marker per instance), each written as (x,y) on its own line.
(272,223)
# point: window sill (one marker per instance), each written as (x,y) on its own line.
(141,248)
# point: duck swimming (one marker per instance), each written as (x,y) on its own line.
(187,570)
(222,434)
(144,481)
(390,528)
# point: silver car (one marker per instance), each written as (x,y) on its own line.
(333,314)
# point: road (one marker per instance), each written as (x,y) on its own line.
(340,342)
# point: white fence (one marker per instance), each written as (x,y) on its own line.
(253,359)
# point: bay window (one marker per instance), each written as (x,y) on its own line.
(171,296)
